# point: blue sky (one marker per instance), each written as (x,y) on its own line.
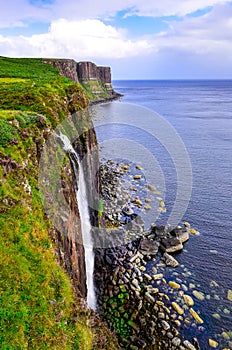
(181,39)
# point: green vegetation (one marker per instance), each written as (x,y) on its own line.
(38,307)
(95,90)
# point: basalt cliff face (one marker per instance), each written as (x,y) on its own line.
(96,80)
(41,307)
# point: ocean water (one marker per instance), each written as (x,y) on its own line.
(200,112)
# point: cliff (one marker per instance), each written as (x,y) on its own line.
(42,278)
(96,80)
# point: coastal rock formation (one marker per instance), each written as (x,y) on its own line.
(97,79)
(66,67)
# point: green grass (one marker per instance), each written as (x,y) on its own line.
(38,308)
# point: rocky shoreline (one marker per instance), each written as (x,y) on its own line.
(142,304)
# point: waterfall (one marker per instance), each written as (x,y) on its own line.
(85,220)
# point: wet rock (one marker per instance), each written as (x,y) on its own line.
(213,343)
(171,245)
(229,295)
(198,295)
(193,231)
(189,301)
(177,308)
(180,233)
(186,224)
(174,285)
(157,276)
(188,345)
(148,277)
(196,344)
(196,316)
(170,261)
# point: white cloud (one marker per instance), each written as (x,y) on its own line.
(209,34)
(82,40)
(22,10)
(172,8)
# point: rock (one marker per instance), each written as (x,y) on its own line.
(137,177)
(147,207)
(196,344)
(161,315)
(196,316)
(186,224)
(165,325)
(139,167)
(177,308)
(170,261)
(148,277)
(149,297)
(171,245)
(198,295)
(150,187)
(217,316)
(229,295)
(148,247)
(213,343)
(138,202)
(188,345)
(214,284)
(226,335)
(189,301)
(135,283)
(176,341)
(157,276)
(147,200)
(180,233)
(142,268)
(174,285)
(137,255)
(193,231)
(161,204)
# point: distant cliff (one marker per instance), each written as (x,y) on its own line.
(96,80)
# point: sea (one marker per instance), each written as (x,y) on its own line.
(180,132)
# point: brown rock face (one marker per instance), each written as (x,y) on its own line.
(67,67)
(104,75)
(68,238)
(87,71)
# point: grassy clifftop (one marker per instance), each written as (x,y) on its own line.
(38,308)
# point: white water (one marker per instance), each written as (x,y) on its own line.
(85,223)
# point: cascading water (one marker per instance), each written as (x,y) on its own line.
(85,220)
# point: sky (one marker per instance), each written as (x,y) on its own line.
(139,39)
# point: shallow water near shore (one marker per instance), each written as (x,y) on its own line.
(201,113)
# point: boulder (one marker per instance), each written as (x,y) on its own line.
(171,245)
(180,233)
(148,247)
(170,261)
